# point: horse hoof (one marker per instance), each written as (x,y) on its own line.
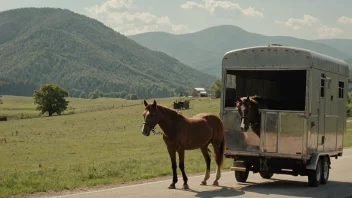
(216,183)
(185,187)
(172,186)
(204,183)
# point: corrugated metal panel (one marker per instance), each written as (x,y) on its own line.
(282,57)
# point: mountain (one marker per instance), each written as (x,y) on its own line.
(204,50)
(344,45)
(349,62)
(46,45)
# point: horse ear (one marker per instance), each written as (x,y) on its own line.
(145,103)
(154,104)
(247,97)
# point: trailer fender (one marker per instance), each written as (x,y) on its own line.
(312,163)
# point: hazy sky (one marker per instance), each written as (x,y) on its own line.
(308,19)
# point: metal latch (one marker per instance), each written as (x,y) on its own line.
(322,139)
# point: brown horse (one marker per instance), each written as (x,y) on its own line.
(248,108)
(181,133)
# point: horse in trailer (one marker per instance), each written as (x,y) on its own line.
(248,108)
(181,133)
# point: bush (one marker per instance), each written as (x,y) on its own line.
(349,105)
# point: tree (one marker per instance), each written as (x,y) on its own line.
(0,92)
(51,98)
(349,105)
(131,97)
(83,95)
(93,95)
(180,91)
(216,88)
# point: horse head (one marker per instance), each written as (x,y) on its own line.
(248,109)
(151,118)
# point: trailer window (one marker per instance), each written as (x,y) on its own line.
(282,90)
(322,86)
(341,88)
(231,81)
(230,91)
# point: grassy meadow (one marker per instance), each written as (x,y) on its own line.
(85,146)
(95,142)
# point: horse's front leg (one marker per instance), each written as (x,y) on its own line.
(181,155)
(172,153)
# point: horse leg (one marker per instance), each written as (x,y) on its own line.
(172,153)
(207,161)
(181,155)
(219,156)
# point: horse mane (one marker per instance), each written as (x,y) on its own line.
(170,111)
(253,100)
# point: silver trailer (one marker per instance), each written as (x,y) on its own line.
(298,138)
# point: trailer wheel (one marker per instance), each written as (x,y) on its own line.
(266,175)
(325,170)
(314,176)
(241,176)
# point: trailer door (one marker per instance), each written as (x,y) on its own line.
(322,111)
(331,117)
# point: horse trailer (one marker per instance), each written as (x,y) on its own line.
(303,125)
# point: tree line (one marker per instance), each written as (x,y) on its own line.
(131,93)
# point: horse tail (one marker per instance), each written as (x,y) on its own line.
(219,159)
(218,127)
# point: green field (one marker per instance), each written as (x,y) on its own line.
(96,142)
(85,148)
(348,135)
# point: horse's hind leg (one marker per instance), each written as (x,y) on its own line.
(207,161)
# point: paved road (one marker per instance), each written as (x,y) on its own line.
(339,185)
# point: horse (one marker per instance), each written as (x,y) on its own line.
(248,108)
(181,133)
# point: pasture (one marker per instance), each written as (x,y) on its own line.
(96,142)
(85,147)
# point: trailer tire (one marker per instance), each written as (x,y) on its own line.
(241,176)
(314,176)
(266,175)
(325,170)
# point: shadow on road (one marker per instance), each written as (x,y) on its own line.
(301,189)
(281,188)
(223,191)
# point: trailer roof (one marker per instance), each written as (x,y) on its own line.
(282,57)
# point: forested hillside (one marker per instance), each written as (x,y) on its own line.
(45,45)
(204,50)
(344,45)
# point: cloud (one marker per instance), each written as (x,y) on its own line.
(212,5)
(326,32)
(344,20)
(297,23)
(111,5)
(118,15)
(252,12)
(191,5)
